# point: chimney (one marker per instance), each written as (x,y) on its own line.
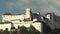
(28,14)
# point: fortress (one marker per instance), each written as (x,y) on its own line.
(21,20)
(42,23)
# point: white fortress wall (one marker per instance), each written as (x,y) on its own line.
(12,17)
(4,26)
(22,22)
(38,26)
(26,25)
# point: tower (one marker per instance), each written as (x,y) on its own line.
(28,14)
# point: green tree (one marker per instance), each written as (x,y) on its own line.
(23,30)
(6,31)
(32,30)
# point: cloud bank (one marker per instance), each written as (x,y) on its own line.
(43,6)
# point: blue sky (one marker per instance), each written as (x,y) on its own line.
(19,6)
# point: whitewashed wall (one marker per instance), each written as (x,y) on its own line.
(37,25)
(12,17)
(4,26)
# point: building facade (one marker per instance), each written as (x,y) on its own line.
(21,20)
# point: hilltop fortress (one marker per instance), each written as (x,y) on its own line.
(41,23)
(21,20)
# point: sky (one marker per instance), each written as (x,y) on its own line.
(19,6)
